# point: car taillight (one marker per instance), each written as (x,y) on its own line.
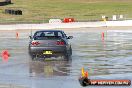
(35,43)
(60,43)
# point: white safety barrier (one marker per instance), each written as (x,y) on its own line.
(55,21)
(119,23)
(66,25)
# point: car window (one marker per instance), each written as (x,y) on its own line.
(48,34)
(60,34)
(64,34)
(37,33)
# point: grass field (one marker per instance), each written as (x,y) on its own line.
(82,10)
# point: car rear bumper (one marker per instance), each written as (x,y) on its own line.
(55,50)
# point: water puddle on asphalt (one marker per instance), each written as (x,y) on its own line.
(110,55)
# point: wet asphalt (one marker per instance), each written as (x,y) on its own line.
(108,57)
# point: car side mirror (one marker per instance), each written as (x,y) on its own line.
(30,37)
(69,37)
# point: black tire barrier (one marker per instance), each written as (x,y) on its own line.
(13,12)
(6,2)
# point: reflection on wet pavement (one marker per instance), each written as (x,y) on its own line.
(110,56)
(49,68)
(106,57)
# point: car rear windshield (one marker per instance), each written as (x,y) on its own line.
(42,35)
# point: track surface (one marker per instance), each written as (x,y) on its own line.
(105,58)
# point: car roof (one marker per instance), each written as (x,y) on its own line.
(50,31)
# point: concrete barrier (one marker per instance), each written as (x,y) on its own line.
(55,21)
(66,25)
(119,23)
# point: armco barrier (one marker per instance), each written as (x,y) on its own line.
(68,20)
(13,12)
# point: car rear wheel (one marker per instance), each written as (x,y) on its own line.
(67,56)
(70,51)
(33,57)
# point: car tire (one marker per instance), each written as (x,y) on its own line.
(70,51)
(66,56)
(33,57)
